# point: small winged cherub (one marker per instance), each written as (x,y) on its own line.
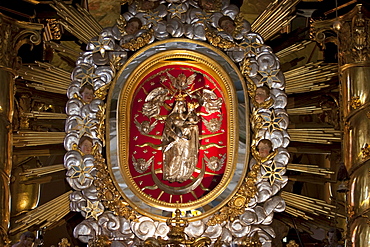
(213,125)
(154,101)
(181,82)
(141,165)
(145,127)
(214,163)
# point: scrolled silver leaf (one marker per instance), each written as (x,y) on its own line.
(282,156)
(279,184)
(226,236)
(280,98)
(107,32)
(72,158)
(162,10)
(160,30)
(76,201)
(70,124)
(252,202)
(175,28)
(213,231)
(236,54)
(261,214)
(195,228)
(105,73)
(161,230)
(286,139)
(276,137)
(109,223)
(267,61)
(70,141)
(73,89)
(264,191)
(90,193)
(73,107)
(193,16)
(125,227)
(143,227)
(249,217)
(274,204)
(96,105)
(86,230)
(85,59)
(284,118)
(238,228)
(245,30)
(230,10)
(268,219)
(195,31)
(214,19)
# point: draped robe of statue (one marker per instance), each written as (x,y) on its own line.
(180,144)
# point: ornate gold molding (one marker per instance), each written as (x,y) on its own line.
(352,35)
(14,34)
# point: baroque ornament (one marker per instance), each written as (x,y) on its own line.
(171,162)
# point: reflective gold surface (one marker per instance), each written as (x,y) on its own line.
(360,232)
(359,194)
(355,85)
(357,134)
(24,196)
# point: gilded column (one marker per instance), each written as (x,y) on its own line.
(13,34)
(354,69)
(351,33)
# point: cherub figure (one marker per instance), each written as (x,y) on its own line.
(214,163)
(141,165)
(213,125)
(264,148)
(181,82)
(87,93)
(262,93)
(145,127)
(227,24)
(85,144)
(133,26)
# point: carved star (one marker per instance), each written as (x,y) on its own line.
(153,17)
(86,75)
(101,45)
(84,125)
(176,10)
(82,172)
(92,210)
(271,122)
(250,45)
(269,76)
(272,172)
(203,17)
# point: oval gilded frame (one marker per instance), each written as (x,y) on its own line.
(175,51)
